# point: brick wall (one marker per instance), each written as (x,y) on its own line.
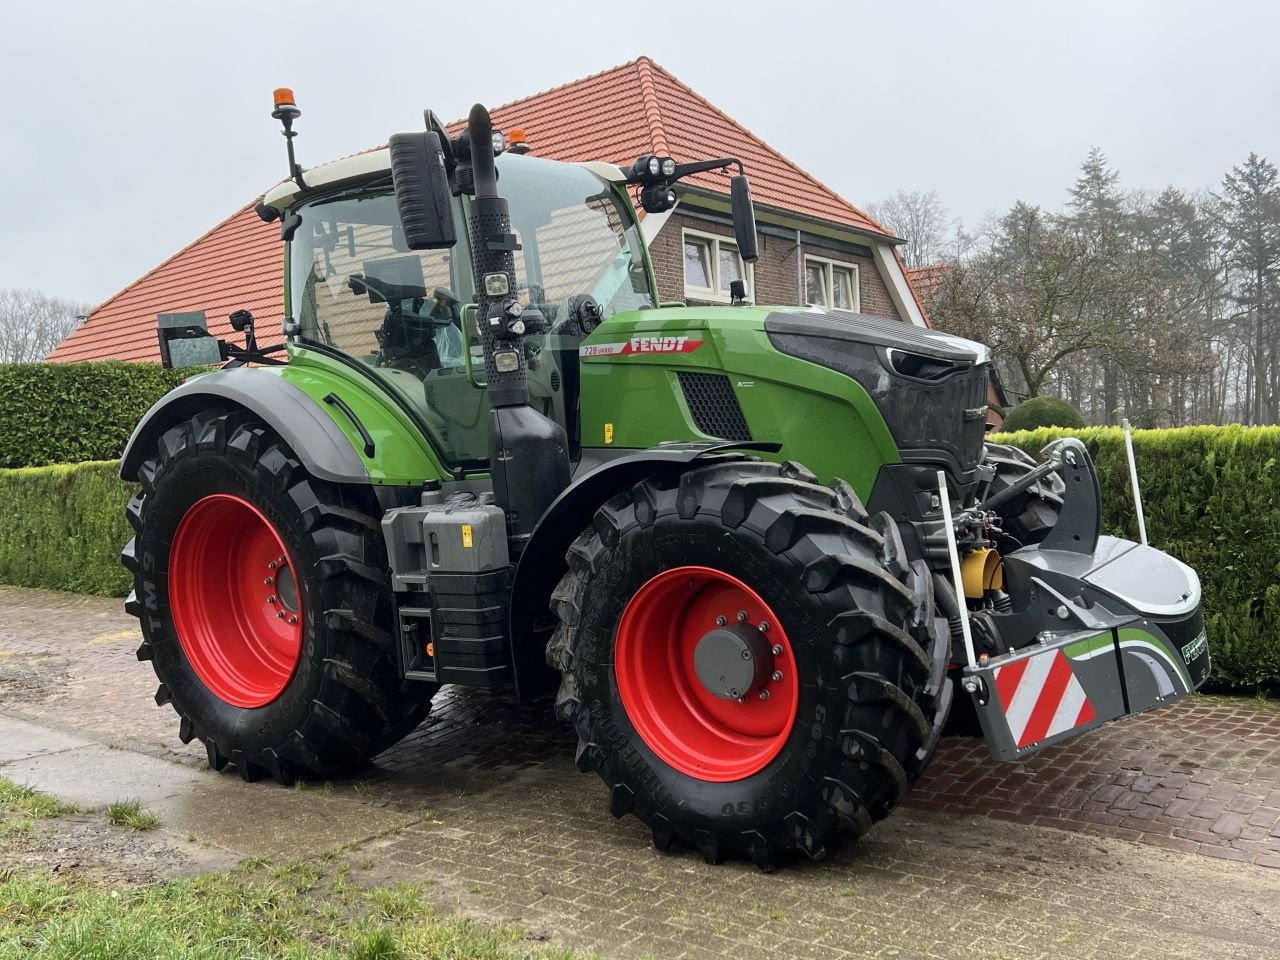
(775,271)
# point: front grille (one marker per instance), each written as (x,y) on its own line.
(967,396)
(713,406)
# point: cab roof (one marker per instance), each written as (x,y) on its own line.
(370,164)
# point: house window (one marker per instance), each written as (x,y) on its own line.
(711,263)
(831,284)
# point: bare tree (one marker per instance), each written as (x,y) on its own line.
(32,324)
(1250,208)
(1028,296)
(1158,306)
(920,219)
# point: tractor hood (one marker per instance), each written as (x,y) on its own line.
(843,325)
(930,387)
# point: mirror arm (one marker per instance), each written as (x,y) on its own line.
(238,357)
(688,169)
(702,166)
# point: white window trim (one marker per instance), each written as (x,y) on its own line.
(896,283)
(713,293)
(829,279)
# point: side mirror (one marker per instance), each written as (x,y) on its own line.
(422,191)
(185,340)
(744,218)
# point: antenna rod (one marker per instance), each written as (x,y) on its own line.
(286,111)
(1133,480)
(956,579)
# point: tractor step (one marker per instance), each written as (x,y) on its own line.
(458,630)
(452,582)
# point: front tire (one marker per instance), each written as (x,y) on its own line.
(264,604)
(856,684)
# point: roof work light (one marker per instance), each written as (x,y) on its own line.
(285,105)
(517,142)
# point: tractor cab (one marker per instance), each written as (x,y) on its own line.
(408,317)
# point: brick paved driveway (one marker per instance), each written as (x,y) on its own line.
(1113,845)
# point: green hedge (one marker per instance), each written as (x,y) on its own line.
(1042,412)
(1211,497)
(72,412)
(62,527)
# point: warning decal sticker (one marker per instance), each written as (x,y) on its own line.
(1041,697)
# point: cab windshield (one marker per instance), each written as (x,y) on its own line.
(356,287)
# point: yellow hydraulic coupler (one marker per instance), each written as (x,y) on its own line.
(981,571)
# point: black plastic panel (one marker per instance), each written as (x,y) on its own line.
(713,406)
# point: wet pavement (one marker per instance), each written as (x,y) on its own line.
(1154,837)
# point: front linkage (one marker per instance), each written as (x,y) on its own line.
(1118,627)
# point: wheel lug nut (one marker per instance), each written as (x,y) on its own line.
(280,560)
(763,694)
(269,581)
(293,619)
(721,620)
(279,614)
(776,649)
(764,626)
(742,616)
(271,599)
(777,676)
(272,565)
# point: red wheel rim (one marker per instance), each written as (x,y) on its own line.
(234,599)
(680,720)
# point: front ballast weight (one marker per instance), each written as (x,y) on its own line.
(1099,628)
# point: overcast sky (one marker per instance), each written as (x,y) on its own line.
(128,129)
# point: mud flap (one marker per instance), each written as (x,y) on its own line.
(1078,681)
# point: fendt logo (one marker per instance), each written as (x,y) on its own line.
(641,345)
(662,345)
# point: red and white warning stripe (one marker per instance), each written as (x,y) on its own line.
(1041,697)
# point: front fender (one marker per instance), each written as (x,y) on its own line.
(312,435)
(543,562)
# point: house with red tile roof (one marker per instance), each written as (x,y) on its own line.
(815,247)
(926,281)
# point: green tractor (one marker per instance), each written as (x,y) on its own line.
(758,551)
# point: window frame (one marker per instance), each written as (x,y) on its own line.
(828,267)
(713,240)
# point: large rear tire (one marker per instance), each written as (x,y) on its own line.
(264,604)
(855,683)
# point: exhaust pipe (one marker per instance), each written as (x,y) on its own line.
(528,452)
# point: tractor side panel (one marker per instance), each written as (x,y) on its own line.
(402,455)
(700,374)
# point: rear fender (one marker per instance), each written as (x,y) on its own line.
(309,431)
(542,563)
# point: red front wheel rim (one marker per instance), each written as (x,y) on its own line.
(234,599)
(688,726)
